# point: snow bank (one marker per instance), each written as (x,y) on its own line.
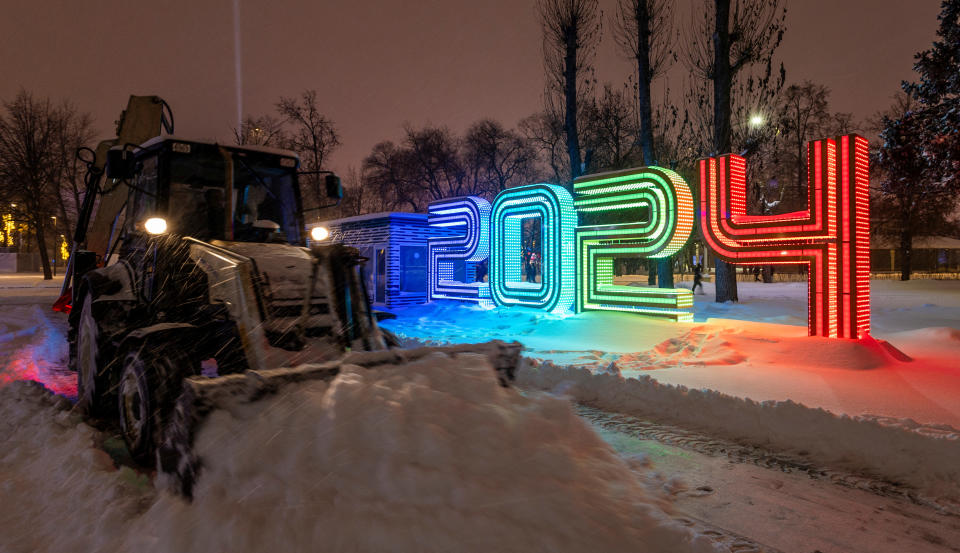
(57,491)
(926,457)
(431,456)
(427,457)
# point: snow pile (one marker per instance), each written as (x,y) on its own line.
(431,456)
(425,457)
(58,492)
(926,457)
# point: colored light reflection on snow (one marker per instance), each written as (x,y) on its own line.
(832,236)
(471,216)
(554,206)
(667,199)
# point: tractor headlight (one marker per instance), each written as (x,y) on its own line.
(319,234)
(155,225)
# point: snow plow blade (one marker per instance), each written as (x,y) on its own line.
(177,459)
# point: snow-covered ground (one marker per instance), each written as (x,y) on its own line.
(432,456)
(28,288)
(360,459)
(757,348)
(750,372)
(33,346)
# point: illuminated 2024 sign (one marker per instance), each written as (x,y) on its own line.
(649,213)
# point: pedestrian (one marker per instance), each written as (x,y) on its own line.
(697,279)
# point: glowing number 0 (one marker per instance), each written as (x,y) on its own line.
(667,199)
(471,215)
(554,206)
(832,236)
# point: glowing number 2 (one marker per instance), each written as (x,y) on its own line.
(467,221)
(832,236)
(602,201)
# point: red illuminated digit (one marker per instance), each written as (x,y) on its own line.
(832,236)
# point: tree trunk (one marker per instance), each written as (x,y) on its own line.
(726,276)
(906,252)
(725,279)
(651,272)
(42,245)
(570,99)
(665,272)
(643,83)
(722,78)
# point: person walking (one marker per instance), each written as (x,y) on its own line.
(697,279)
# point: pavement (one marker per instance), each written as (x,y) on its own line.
(27,288)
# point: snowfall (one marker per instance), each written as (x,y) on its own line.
(435,456)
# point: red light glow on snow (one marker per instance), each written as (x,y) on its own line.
(832,236)
(25,365)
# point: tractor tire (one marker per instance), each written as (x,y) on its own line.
(91,360)
(151,377)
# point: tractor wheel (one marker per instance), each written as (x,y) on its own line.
(148,382)
(90,362)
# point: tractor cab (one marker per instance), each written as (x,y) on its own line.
(210,191)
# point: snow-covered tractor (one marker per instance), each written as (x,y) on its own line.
(205,292)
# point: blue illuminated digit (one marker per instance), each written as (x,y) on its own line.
(461,228)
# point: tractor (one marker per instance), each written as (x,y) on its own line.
(207,288)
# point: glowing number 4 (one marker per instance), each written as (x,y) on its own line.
(832,236)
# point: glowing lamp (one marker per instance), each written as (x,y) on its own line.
(155,225)
(319,234)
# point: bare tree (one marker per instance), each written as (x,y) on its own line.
(426,166)
(803,116)
(360,195)
(388,168)
(545,134)
(571,32)
(497,158)
(642,29)
(37,144)
(610,130)
(436,162)
(719,53)
(313,138)
(264,130)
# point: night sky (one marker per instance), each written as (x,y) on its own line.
(378,64)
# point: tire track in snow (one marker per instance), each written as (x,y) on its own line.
(748,454)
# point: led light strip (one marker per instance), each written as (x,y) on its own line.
(471,215)
(669,202)
(554,206)
(831,236)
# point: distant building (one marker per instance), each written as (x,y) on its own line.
(396,246)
